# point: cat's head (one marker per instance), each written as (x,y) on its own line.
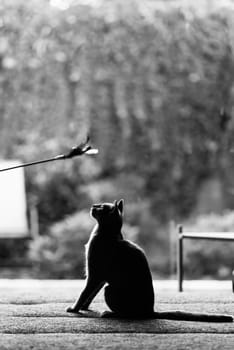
(109,214)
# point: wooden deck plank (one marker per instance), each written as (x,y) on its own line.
(117,341)
(73,324)
(59,309)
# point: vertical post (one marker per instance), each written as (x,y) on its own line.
(33,217)
(233,281)
(180,271)
(172,249)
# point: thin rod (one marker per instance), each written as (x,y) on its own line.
(33,163)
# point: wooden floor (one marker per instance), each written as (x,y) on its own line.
(32,316)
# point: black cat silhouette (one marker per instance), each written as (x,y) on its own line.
(122,265)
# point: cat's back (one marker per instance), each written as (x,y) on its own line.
(129,261)
(131,252)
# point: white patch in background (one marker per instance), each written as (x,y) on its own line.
(13,218)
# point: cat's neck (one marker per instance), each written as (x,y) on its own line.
(108,231)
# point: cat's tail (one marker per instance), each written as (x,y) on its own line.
(190,316)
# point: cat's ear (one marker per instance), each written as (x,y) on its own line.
(120,205)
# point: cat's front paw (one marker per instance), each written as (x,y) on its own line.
(72,309)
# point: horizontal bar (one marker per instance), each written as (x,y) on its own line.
(223,236)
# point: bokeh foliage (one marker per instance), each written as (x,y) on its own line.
(147,88)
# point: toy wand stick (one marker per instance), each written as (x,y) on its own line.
(83,148)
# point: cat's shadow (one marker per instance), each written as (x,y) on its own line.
(106,315)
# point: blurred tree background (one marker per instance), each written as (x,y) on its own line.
(148,86)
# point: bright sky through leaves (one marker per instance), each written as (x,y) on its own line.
(65,4)
(61,4)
